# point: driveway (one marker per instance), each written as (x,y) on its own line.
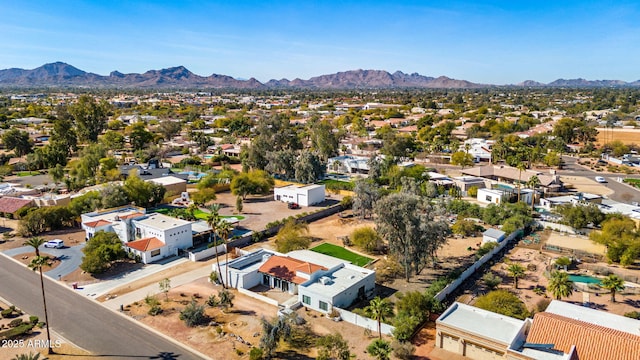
(71,258)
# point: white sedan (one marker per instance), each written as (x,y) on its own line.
(600,179)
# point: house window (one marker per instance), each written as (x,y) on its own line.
(324,306)
(488,198)
(265,279)
(276,283)
(306,299)
(155,253)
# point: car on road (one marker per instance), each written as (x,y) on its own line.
(55,244)
(600,179)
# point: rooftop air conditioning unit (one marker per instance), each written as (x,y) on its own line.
(325,280)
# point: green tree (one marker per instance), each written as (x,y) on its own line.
(139,137)
(503,302)
(324,141)
(516,271)
(614,284)
(193,314)
(333,347)
(560,285)
(563,262)
(112,140)
(223,230)
(36,264)
(18,141)
(411,230)
(101,251)
(533,184)
(169,128)
(491,280)
(379,310)
(620,236)
(366,238)
(379,349)
(293,236)
(90,117)
(255,182)
(143,193)
(465,227)
(367,194)
(309,168)
(272,332)
(462,159)
(226,298)
(64,134)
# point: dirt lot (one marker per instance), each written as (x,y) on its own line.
(26,260)
(627,136)
(586,185)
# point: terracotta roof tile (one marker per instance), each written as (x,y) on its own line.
(97,223)
(592,342)
(132,215)
(146,244)
(10,204)
(285,268)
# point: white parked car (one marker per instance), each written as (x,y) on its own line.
(56,244)
(600,179)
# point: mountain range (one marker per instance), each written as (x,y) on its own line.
(60,74)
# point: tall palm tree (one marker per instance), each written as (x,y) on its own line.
(223,229)
(516,271)
(613,283)
(379,309)
(533,184)
(521,167)
(560,285)
(36,264)
(213,220)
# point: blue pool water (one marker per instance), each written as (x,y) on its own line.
(584,279)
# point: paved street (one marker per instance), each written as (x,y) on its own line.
(85,322)
(622,192)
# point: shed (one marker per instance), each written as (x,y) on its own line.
(492,235)
(305,195)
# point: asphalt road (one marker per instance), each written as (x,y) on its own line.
(622,192)
(84,322)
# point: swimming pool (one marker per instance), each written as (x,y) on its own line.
(584,279)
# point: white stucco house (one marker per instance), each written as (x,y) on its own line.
(319,282)
(303,195)
(150,237)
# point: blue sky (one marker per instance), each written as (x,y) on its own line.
(494,42)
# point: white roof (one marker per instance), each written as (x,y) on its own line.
(481,322)
(493,233)
(315,258)
(597,317)
(168,180)
(162,222)
(340,280)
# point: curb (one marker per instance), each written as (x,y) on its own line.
(162,335)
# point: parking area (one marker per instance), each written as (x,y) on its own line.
(70,258)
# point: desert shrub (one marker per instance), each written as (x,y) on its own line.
(542,305)
(155,310)
(485,249)
(366,238)
(256,354)
(33,319)
(403,350)
(16,331)
(491,280)
(193,314)
(633,315)
(15,322)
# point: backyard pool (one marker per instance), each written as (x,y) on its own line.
(584,279)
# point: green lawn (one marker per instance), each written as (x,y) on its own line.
(27,173)
(341,253)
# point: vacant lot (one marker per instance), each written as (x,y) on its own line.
(627,136)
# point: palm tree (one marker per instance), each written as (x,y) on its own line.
(521,167)
(516,271)
(36,264)
(533,184)
(560,285)
(29,356)
(213,220)
(379,309)
(223,229)
(613,283)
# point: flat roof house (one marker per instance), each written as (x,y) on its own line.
(305,195)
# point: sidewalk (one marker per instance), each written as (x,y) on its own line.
(140,294)
(103,287)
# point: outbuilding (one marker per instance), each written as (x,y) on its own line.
(492,235)
(305,195)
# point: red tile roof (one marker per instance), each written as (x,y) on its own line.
(97,223)
(132,215)
(146,244)
(592,342)
(10,204)
(285,268)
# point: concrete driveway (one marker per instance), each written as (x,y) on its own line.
(71,258)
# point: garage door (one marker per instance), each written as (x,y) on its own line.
(450,343)
(474,351)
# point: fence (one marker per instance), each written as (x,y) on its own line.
(364,322)
(197,256)
(470,270)
(582,255)
(259,297)
(556,226)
